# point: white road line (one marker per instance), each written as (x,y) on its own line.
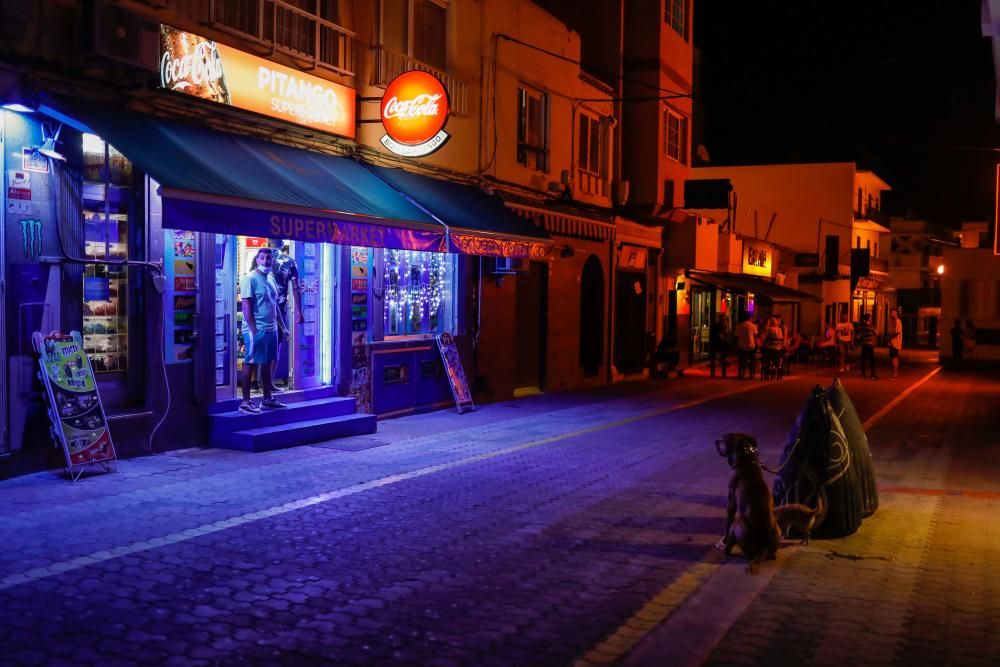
(191,533)
(888,407)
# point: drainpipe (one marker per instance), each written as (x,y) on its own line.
(611,302)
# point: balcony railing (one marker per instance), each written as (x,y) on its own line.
(387,65)
(879,264)
(872,213)
(288,30)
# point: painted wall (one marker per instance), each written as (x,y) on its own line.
(645,163)
(971,288)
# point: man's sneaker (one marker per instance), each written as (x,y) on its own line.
(249,407)
(272,404)
(276,389)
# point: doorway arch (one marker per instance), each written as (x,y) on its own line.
(591,316)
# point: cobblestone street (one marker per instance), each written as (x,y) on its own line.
(561,529)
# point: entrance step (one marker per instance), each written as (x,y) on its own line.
(289,397)
(297,433)
(223,424)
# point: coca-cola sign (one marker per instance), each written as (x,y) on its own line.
(200,67)
(414,112)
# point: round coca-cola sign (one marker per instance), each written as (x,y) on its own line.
(414,112)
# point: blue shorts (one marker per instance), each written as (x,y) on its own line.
(265,347)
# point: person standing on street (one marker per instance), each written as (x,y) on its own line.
(845,340)
(718,344)
(746,345)
(286,275)
(957,345)
(866,340)
(259,295)
(895,340)
(969,338)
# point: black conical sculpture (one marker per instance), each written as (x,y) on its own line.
(817,459)
(857,442)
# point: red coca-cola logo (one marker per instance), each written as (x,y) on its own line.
(414,108)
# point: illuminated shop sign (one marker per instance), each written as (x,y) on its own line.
(415,109)
(757,259)
(201,67)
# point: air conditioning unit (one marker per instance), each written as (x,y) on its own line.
(621,189)
(509,266)
(115,33)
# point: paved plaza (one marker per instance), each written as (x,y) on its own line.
(554,530)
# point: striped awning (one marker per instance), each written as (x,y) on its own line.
(562,219)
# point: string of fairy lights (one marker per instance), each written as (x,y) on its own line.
(415,285)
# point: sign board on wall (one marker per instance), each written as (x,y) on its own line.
(415,110)
(201,67)
(757,258)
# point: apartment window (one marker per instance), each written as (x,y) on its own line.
(858,242)
(675,136)
(532,129)
(592,151)
(675,15)
(876,250)
(416,28)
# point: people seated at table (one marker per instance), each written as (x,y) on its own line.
(773,347)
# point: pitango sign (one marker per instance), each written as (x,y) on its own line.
(414,112)
(203,68)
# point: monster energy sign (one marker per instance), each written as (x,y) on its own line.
(31,238)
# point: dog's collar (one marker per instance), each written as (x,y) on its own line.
(745,452)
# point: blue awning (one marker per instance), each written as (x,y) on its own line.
(478,223)
(213,181)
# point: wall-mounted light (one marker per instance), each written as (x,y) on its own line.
(18,107)
(49,141)
(940,269)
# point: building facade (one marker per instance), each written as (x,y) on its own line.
(182,150)
(824,228)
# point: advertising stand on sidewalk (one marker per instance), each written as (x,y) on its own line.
(455,372)
(75,409)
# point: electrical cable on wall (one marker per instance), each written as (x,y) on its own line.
(159,282)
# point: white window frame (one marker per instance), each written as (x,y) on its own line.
(592,172)
(677,20)
(533,156)
(411,28)
(677,150)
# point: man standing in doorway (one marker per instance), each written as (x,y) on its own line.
(286,275)
(259,293)
(895,340)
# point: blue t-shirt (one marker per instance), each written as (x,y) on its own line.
(264,292)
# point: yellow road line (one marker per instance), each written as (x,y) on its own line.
(617,645)
(899,399)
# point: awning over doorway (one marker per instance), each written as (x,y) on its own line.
(212,181)
(562,218)
(478,223)
(759,287)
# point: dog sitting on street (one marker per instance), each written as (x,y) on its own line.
(800,517)
(750,520)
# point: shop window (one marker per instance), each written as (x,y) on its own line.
(675,15)
(592,149)
(675,136)
(107,188)
(418,292)
(416,28)
(532,129)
